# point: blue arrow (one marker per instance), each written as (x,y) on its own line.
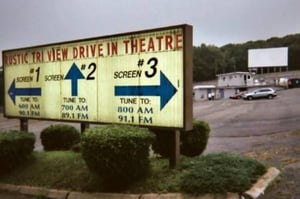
(13,91)
(165,90)
(74,74)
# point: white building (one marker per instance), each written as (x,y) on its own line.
(202,92)
(235,79)
(228,84)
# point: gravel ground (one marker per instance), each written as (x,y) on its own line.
(285,155)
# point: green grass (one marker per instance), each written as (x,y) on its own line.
(67,170)
(62,170)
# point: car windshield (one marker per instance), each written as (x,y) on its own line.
(263,90)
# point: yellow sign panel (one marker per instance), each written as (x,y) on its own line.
(135,78)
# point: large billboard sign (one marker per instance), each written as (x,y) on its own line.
(140,78)
(268,57)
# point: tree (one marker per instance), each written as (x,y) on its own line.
(208,62)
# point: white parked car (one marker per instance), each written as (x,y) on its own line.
(268,93)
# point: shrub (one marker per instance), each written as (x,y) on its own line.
(15,147)
(117,153)
(59,137)
(194,142)
(220,173)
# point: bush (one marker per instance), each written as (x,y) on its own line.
(220,173)
(15,147)
(59,137)
(119,154)
(193,142)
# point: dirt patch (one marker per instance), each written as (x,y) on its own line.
(285,157)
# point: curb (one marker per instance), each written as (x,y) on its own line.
(35,191)
(77,195)
(263,182)
(256,190)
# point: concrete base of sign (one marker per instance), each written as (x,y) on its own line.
(256,190)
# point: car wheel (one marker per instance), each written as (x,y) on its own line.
(270,96)
(249,97)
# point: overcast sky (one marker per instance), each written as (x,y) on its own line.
(218,22)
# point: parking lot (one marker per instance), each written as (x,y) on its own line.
(249,121)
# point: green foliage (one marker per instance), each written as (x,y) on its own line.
(15,147)
(162,179)
(220,173)
(194,142)
(117,153)
(59,137)
(208,62)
